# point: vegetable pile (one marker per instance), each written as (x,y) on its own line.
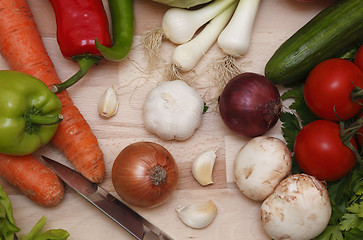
(73,131)
(328,149)
(310,185)
(322,129)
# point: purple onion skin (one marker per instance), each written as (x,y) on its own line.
(250,105)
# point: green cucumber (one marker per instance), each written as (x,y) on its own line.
(330,34)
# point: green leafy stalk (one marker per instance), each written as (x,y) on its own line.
(37,234)
(7,222)
(8,228)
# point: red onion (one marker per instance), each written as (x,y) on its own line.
(250,104)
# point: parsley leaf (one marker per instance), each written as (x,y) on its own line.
(349,221)
(346,196)
(331,233)
(298,105)
(290,128)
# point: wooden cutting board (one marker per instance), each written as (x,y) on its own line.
(238,217)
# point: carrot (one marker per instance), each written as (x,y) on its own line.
(22,47)
(32,178)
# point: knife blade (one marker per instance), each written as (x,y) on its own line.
(128,219)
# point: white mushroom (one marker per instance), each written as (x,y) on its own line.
(299,209)
(260,165)
(173,110)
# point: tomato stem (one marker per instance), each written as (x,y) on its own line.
(356,94)
(347,133)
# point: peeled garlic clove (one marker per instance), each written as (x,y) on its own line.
(197,215)
(203,167)
(108,105)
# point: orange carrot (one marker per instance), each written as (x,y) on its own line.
(22,47)
(32,178)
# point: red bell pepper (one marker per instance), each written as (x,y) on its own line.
(79,23)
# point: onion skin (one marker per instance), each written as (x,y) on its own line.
(250,105)
(132,171)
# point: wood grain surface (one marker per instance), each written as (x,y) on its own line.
(238,217)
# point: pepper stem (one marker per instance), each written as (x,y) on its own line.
(34,119)
(45,120)
(85,62)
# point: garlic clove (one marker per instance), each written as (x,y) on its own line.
(197,215)
(108,105)
(203,167)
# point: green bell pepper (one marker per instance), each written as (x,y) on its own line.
(29,113)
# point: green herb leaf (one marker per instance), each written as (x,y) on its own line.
(297,94)
(349,221)
(330,233)
(354,234)
(37,232)
(290,128)
(7,222)
(356,209)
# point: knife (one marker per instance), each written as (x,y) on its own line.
(124,216)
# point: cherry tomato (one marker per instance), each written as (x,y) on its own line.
(358,59)
(330,85)
(320,152)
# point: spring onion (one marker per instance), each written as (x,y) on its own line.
(186,56)
(234,40)
(179,25)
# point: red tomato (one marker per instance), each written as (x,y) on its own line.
(320,152)
(330,85)
(358,59)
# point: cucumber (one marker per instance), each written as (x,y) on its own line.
(330,34)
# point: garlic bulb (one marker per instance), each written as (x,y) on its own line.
(173,110)
(108,105)
(203,167)
(197,215)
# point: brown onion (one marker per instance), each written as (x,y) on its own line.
(250,104)
(144,174)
